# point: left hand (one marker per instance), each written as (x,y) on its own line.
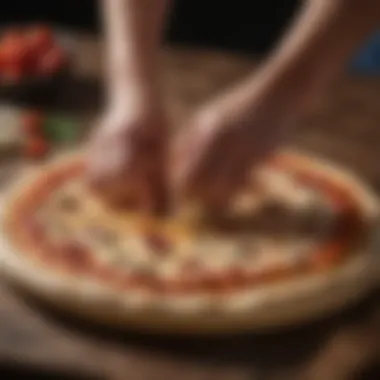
(227,138)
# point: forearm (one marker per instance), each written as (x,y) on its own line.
(318,45)
(133,30)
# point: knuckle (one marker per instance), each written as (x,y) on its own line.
(208,116)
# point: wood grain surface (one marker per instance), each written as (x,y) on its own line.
(345,127)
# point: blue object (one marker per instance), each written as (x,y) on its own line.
(367,61)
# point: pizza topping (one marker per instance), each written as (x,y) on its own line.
(191,268)
(135,252)
(274,184)
(278,253)
(318,219)
(138,267)
(301,252)
(34,228)
(248,246)
(247,203)
(275,219)
(57,231)
(68,203)
(104,235)
(159,243)
(169,270)
(279,186)
(216,254)
(75,254)
(114,257)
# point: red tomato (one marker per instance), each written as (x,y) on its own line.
(32,122)
(13,50)
(11,35)
(36,147)
(40,39)
(52,61)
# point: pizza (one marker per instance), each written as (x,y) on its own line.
(296,243)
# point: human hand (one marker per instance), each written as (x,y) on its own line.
(228,137)
(127,158)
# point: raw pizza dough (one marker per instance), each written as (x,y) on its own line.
(294,245)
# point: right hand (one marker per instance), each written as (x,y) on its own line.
(127,158)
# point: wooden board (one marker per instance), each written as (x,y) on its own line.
(344,128)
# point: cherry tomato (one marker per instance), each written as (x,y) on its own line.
(52,61)
(32,122)
(14,50)
(12,35)
(40,39)
(36,147)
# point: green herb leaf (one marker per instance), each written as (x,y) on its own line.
(60,129)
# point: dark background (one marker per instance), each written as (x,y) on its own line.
(245,25)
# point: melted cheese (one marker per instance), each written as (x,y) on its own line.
(116,239)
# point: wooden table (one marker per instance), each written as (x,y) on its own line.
(345,128)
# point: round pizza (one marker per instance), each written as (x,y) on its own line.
(295,244)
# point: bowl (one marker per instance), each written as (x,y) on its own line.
(26,73)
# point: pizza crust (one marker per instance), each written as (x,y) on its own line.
(279,304)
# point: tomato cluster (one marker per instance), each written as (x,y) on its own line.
(29,52)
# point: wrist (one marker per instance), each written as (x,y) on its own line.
(132,72)
(298,82)
(322,39)
(135,89)
(136,106)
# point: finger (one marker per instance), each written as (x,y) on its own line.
(225,176)
(106,164)
(206,175)
(155,199)
(235,176)
(187,154)
(126,184)
(157,184)
(216,191)
(118,186)
(185,161)
(195,170)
